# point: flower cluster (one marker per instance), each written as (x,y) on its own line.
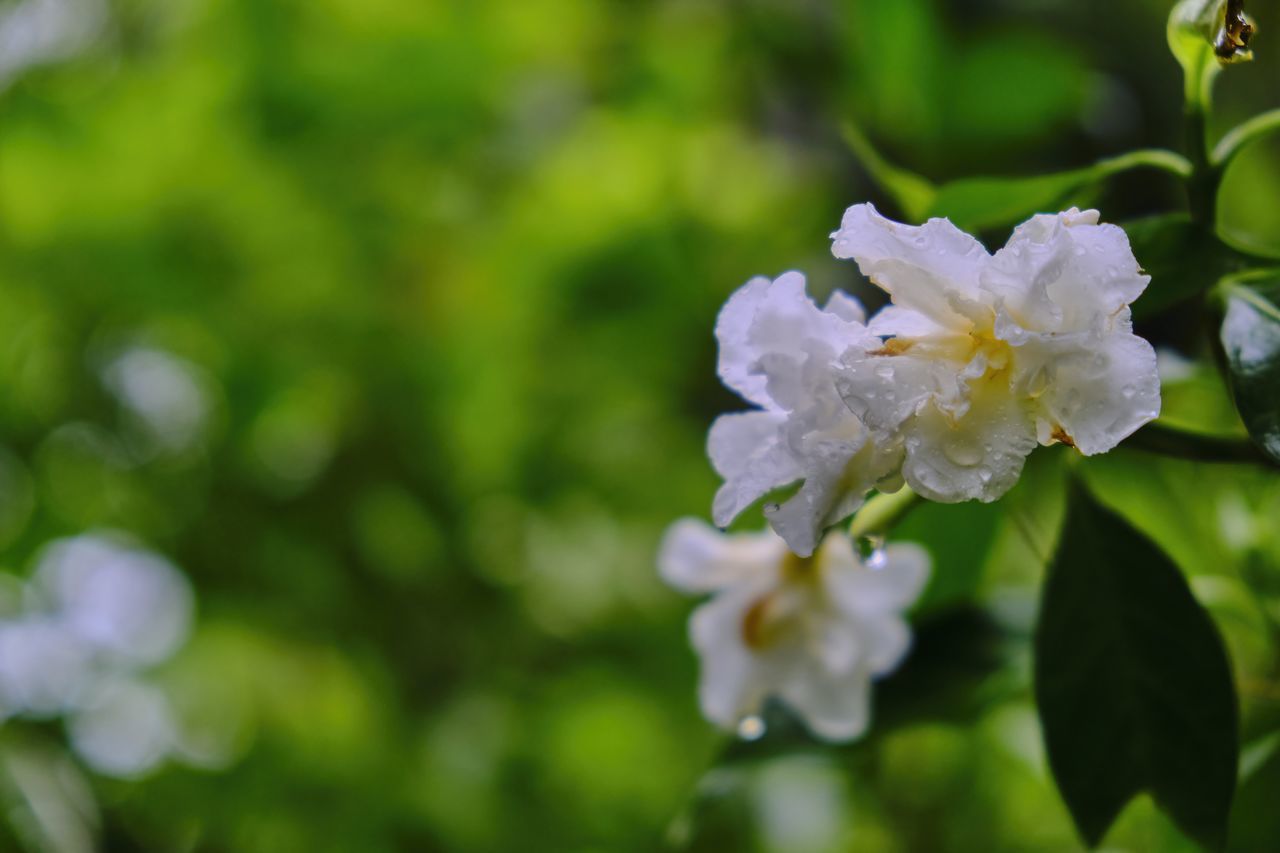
(977,359)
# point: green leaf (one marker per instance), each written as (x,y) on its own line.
(973,203)
(1182,258)
(1132,682)
(1251,342)
(959,537)
(1244,134)
(913,193)
(1255,820)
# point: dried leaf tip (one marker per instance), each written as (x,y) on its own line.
(1235,31)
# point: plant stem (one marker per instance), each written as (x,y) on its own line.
(878,515)
(1202,185)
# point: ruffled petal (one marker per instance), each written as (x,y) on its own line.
(733,330)
(837,480)
(1065,272)
(894,321)
(1095,398)
(695,557)
(845,307)
(776,319)
(748,451)
(977,456)
(933,268)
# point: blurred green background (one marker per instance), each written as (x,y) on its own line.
(431,287)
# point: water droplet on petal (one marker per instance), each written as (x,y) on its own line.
(871,550)
(771,508)
(962,452)
(751,728)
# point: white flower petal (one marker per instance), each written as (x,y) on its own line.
(1065,272)
(747,450)
(834,708)
(838,646)
(729,687)
(838,476)
(860,590)
(695,557)
(977,456)
(733,330)
(845,307)
(1100,397)
(778,319)
(933,268)
(899,322)
(888,640)
(883,390)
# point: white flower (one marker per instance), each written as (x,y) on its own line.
(812,631)
(781,352)
(984,355)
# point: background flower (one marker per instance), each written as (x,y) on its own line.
(812,631)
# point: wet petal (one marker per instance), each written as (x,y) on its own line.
(933,268)
(1098,397)
(977,456)
(747,450)
(1065,272)
(777,318)
(896,321)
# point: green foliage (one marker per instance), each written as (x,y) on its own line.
(1132,682)
(445,274)
(1183,259)
(1251,342)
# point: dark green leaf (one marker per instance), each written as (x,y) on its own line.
(1132,682)
(959,538)
(1255,820)
(1182,259)
(952,674)
(1251,342)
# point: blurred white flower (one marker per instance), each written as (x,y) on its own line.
(120,601)
(97,613)
(36,32)
(165,397)
(812,631)
(780,352)
(124,728)
(984,355)
(43,668)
